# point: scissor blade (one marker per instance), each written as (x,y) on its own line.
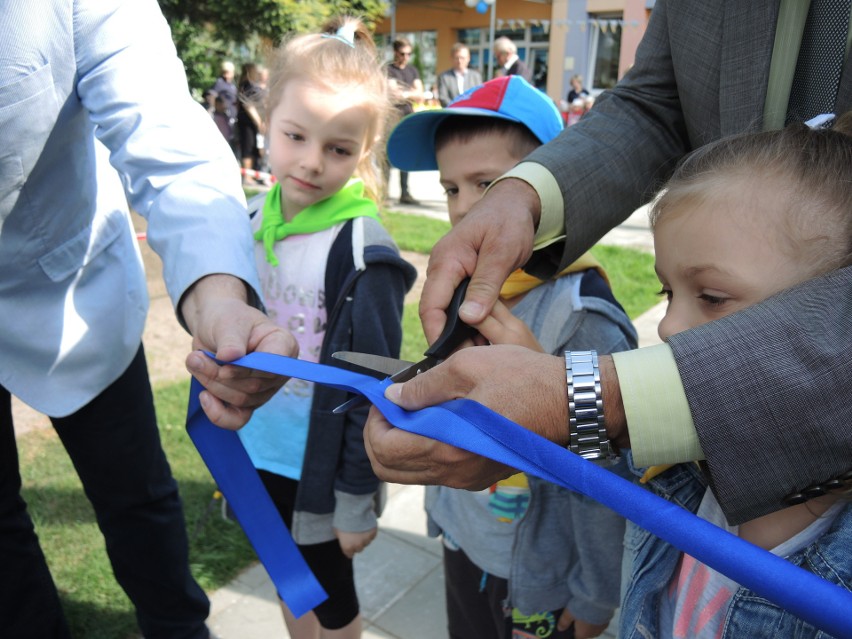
(415,369)
(356,401)
(373,363)
(402,376)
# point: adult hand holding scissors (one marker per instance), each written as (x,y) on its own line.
(537,402)
(493,239)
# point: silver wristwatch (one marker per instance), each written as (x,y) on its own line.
(586,425)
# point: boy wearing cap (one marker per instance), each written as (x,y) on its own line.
(525,558)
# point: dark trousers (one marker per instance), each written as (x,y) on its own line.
(333,569)
(115,447)
(477,605)
(403,182)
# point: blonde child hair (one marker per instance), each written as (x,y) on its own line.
(341,58)
(809,167)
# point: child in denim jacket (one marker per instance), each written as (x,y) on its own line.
(742,219)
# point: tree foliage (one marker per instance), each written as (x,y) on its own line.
(207,31)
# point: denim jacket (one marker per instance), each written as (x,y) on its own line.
(651,562)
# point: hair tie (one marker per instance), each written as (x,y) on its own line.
(822,121)
(346,34)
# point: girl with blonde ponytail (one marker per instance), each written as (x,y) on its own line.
(333,276)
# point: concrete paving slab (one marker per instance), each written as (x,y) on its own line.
(634,232)
(425,187)
(374,632)
(421,614)
(407,519)
(646,324)
(387,571)
(247,608)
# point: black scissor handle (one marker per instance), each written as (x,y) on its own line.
(455,331)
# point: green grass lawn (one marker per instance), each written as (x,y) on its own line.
(95,605)
(414,233)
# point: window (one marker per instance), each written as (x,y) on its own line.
(605,51)
(539,68)
(532,42)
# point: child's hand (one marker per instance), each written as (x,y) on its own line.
(501,327)
(354,542)
(582,629)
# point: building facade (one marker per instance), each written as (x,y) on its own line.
(595,39)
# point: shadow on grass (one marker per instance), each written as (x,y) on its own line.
(95,605)
(88,620)
(52,506)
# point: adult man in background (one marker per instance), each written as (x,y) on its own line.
(702,71)
(453,82)
(406,88)
(83,134)
(508,62)
(225,87)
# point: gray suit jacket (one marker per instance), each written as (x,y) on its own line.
(520,68)
(448,88)
(769,388)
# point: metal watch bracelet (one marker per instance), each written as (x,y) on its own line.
(586,424)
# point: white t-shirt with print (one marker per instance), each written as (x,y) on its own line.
(294,295)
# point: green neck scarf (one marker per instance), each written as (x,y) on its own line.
(348,203)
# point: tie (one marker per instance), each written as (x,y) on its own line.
(821,58)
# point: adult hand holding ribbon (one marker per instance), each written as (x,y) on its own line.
(473,427)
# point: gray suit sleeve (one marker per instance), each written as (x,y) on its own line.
(443,90)
(769,391)
(475,78)
(769,388)
(611,161)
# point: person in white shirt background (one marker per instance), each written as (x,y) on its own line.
(453,82)
(83,135)
(506,56)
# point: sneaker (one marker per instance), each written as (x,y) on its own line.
(406,198)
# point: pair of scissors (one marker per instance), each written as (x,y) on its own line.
(454,334)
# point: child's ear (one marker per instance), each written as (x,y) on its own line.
(377,140)
(369,144)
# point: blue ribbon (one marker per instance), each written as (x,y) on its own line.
(237,479)
(473,427)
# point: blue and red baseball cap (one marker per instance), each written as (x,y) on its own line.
(411,145)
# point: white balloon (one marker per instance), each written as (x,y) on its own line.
(471,3)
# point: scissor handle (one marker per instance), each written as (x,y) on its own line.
(455,331)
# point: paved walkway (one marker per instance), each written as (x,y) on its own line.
(399,576)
